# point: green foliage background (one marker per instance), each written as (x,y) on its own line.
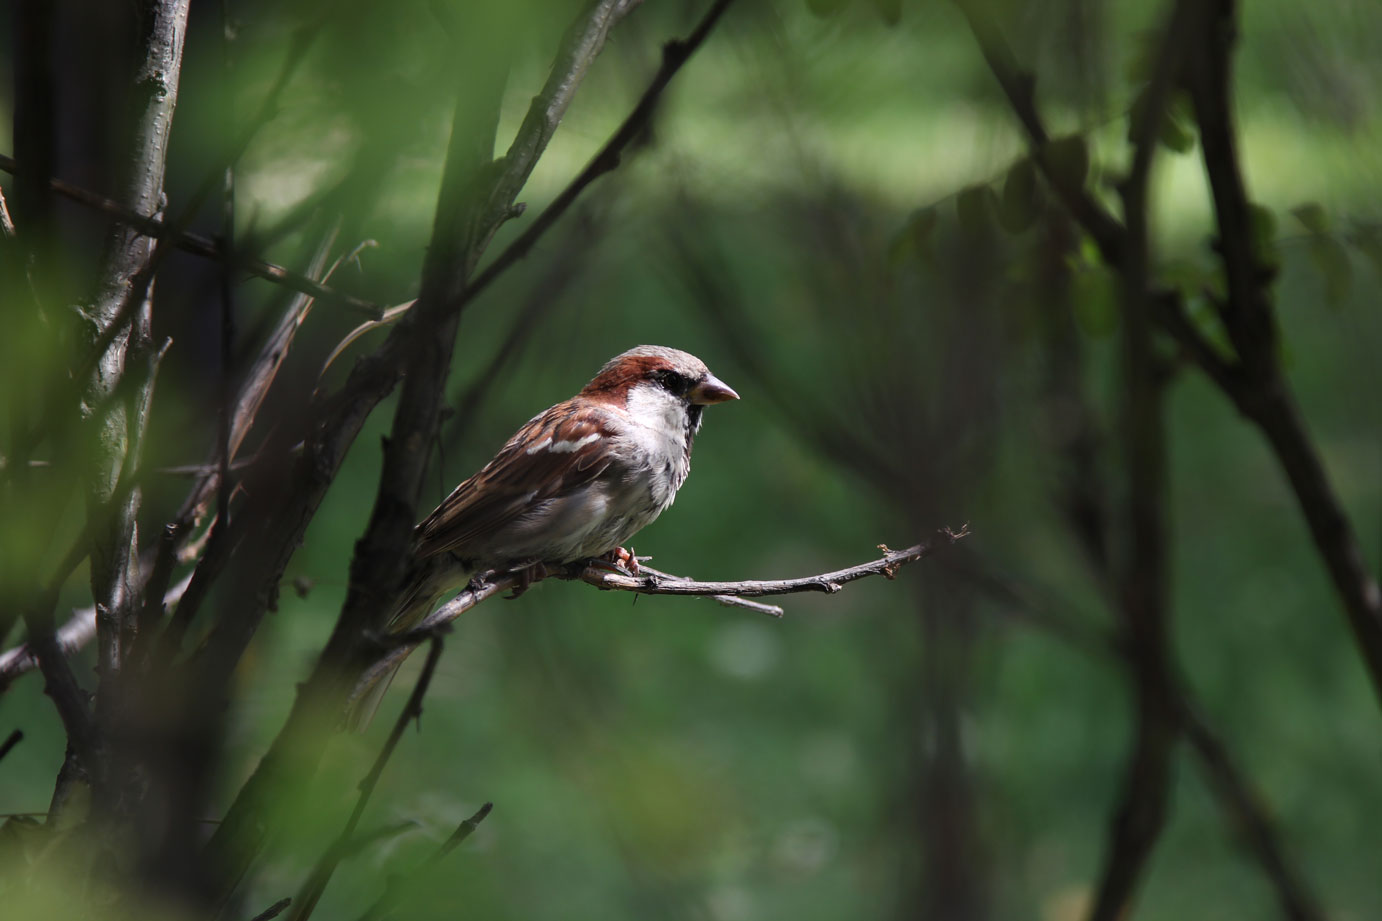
(672,759)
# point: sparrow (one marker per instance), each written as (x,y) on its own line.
(576,482)
(584,476)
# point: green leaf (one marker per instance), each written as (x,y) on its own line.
(1312,217)
(1332,262)
(973,207)
(1068,158)
(1019,207)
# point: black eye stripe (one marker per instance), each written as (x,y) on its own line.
(671,381)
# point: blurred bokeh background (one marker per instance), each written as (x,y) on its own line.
(808,215)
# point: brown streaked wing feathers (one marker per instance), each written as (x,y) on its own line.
(499,493)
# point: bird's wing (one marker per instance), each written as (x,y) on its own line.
(556,453)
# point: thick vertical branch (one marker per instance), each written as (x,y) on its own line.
(115,422)
(1141,576)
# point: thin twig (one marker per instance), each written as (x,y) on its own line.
(398,885)
(206,247)
(13,739)
(1249,816)
(674,55)
(312,889)
(273,911)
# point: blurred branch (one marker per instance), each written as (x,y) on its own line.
(1141,575)
(199,245)
(1020,88)
(1163,711)
(79,630)
(306,900)
(1261,392)
(1248,815)
(1254,383)
(398,884)
(254,389)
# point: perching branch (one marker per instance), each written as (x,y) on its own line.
(394,648)
(827,582)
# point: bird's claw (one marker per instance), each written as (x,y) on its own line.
(618,560)
(534,572)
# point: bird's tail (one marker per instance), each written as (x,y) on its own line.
(427,584)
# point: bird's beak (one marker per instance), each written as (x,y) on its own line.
(711,390)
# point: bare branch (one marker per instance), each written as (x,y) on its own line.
(79,630)
(122,317)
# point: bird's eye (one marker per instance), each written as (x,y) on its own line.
(671,381)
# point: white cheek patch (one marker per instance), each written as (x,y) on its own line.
(570,447)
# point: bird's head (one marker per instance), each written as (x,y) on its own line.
(651,375)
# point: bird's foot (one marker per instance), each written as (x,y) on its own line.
(533,572)
(618,560)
